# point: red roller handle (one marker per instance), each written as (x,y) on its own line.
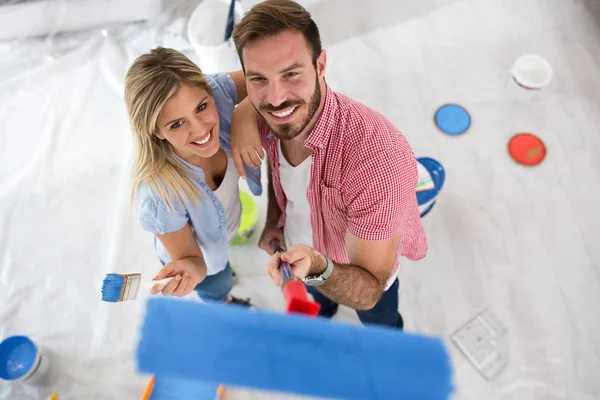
(294,290)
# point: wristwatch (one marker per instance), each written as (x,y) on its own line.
(319,279)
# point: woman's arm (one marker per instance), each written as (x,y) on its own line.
(187,265)
(240,83)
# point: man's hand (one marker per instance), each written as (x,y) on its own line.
(246,146)
(303,260)
(187,274)
(358,285)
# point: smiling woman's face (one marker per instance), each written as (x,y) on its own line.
(190,122)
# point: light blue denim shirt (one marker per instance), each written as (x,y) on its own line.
(207,219)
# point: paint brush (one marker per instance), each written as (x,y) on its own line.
(123,287)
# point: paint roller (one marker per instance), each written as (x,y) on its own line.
(266,350)
(297,301)
(294,290)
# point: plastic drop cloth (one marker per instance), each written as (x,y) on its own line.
(521,241)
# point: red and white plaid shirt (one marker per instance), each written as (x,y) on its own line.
(363,179)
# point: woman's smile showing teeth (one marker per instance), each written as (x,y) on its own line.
(204,140)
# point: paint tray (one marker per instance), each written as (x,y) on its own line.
(483,341)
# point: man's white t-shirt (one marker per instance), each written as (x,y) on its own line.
(294,182)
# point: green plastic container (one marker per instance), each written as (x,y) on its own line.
(248,222)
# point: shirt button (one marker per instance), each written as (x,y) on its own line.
(271,135)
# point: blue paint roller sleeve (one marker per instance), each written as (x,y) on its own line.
(290,353)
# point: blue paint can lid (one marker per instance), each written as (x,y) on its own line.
(452,119)
(18,355)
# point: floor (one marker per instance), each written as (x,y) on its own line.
(519,241)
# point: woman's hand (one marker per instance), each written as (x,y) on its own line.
(186,273)
(246,146)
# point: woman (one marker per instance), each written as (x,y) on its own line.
(184,181)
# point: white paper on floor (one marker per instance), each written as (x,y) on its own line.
(521,241)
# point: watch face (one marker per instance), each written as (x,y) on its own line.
(313,281)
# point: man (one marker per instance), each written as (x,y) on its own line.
(342,178)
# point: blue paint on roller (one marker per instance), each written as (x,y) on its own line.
(172,388)
(290,353)
(452,119)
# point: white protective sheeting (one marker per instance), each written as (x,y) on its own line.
(521,241)
(21,19)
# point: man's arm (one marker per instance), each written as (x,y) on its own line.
(361,283)
(382,191)
(271,231)
(273,210)
(358,285)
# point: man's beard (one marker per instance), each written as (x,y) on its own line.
(290,131)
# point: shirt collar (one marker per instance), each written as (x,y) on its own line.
(320,134)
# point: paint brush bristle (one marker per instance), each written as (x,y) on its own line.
(118,287)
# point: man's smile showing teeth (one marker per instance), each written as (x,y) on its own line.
(284,114)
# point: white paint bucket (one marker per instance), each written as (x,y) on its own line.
(206,33)
(529,75)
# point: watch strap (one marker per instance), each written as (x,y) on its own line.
(323,276)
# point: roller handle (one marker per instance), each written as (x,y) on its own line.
(294,290)
(286,270)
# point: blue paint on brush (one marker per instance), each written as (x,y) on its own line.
(111,287)
(281,352)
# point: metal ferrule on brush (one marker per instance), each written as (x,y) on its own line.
(131,286)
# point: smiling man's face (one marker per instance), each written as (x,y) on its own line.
(283,84)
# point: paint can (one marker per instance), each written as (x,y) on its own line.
(206,33)
(431,181)
(248,219)
(22,360)
(529,75)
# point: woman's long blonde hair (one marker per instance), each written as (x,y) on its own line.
(150,81)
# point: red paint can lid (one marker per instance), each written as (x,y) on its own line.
(527,149)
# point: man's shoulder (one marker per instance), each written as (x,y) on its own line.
(363,128)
